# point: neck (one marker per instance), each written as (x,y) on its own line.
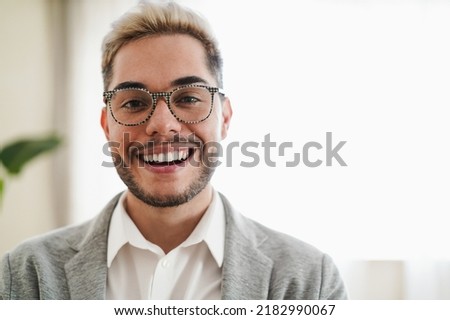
(168,227)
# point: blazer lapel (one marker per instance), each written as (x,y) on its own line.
(246,271)
(86,275)
(86,272)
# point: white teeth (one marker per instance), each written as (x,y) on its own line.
(183,155)
(174,156)
(167,157)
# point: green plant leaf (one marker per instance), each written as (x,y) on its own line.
(17,154)
(1,189)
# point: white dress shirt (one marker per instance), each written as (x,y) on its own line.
(139,269)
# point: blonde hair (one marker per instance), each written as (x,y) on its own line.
(155,19)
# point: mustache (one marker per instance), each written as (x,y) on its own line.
(174,142)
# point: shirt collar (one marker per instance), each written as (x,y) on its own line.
(116,236)
(210,229)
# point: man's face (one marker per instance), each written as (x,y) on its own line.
(160,64)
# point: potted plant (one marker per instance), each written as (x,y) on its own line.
(17,154)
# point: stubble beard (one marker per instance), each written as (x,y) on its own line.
(172,200)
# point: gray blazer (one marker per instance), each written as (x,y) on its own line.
(259,263)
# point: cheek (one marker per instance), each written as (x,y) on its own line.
(115,133)
(209,131)
(213,125)
(121,138)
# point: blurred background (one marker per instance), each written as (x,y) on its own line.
(374,73)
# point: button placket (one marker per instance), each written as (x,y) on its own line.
(165,263)
(162,279)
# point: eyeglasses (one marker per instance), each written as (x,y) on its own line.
(134,106)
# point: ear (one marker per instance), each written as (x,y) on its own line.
(227,112)
(104,122)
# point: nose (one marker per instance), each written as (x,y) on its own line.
(162,122)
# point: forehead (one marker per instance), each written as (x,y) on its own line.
(158,60)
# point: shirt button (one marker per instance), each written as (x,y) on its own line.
(165,263)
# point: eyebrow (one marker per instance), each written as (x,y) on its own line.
(188,80)
(130,84)
(175,83)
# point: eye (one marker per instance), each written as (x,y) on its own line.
(131,100)
(135,105)
(188,100)
(188,97)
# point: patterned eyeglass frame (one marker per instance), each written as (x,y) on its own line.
(107,95)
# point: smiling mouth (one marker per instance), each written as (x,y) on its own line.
(174,157)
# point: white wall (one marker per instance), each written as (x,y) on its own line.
(26,85)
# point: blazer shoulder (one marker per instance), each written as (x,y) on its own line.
(272,242)
(279,244)
(36,267)
(46,253)
(299,270)
(68,238)
(298,264)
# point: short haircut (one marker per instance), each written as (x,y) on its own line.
(149,19)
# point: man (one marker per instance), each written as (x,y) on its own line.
(170,235)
